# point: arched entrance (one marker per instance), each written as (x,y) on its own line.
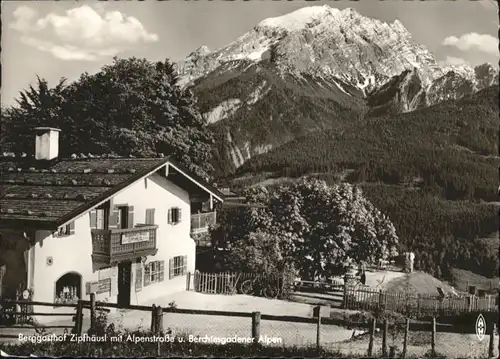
(68,288)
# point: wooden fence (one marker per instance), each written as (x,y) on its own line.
(221,283)
(19,315)
(352,297)
(157,327)
(417,305)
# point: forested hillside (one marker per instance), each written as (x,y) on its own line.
(251,109)
(433,171)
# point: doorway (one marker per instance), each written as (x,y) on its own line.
(124,282)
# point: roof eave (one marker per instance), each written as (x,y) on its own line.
(28,224)
(199,181)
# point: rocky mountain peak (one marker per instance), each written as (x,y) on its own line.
(336,45)
(200,51)
(300,19)
(322,40)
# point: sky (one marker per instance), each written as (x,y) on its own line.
(66,38)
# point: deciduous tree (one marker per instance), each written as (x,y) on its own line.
(132,106)
(319,229)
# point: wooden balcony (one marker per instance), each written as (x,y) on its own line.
(116,245)
(200,222)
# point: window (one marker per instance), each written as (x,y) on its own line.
(123,217)
(66,230)
(102,218)
(68,288)
(154,272)
(174,215)
(177,266)
(99,217)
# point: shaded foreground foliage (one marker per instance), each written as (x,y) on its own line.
(140,350)
(433,172)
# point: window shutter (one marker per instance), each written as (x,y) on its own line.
(169,216)
(184,264)
(170,268)
(114,218)
(138,277)
(179,212)
(162,271)
(130,211)
(72,228)
(150,216)
(114,285)
(147,274)
(93,219)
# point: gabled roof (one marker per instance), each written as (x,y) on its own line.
(48,194)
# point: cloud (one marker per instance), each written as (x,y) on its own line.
(454,61)
(82,33)
(473,41)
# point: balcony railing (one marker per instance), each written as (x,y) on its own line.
(115,245)
(201,221)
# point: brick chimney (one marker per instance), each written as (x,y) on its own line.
(46,143)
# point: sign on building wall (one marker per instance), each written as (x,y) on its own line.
(102,286)
(128,238)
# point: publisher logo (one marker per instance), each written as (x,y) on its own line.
(480,327)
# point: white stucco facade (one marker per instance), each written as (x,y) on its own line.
(52,257)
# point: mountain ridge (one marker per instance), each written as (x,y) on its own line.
(367,66)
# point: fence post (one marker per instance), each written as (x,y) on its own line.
(384,338)
(498,330)
(405,340)
(372,334)
(79,318)
(153,319)
(491,345)
(344,298)
(159,320)
(318,329)
(418,305)
(92,311)
(256,326)
(380,299)
(188,281)
(433,337)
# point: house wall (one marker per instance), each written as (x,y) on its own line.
(171,240)
(56,256)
